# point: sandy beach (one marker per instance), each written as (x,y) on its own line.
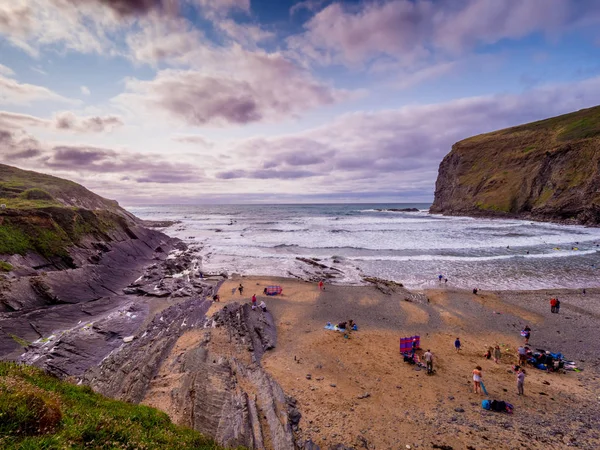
(358,390)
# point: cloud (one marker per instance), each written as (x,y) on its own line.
(62,121)
(396,150)
(125,8)
(162,39)
(410,31)
(267,87)
(16,144)
(14,93)
(195,140)
(6,70)
(223,6)
(266,174)
(140,168)
(245,34)
(85,90)
(308,5)
(70,122)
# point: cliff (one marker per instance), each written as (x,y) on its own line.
(547,170)
(62,246)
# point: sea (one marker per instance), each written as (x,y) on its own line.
(377,240)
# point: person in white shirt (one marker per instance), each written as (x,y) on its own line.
(428,357)
(263,306)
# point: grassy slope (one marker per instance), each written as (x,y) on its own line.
(47,215)
(498,167)
(40,411)
(15,182)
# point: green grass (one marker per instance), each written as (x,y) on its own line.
(13,240)
(22,203)
(51,231)
(38,411)
(18,340)
(5,267)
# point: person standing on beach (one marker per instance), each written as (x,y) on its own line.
(254,301)
(440,276)
(457,345)
(526,333)
(520,381)
(552,305)
(321,287)
(522,355)
(414,347)
(477,376)
(557,308)
(428,356)
(241,288)
(497,354)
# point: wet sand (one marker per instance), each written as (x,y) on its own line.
(405,406)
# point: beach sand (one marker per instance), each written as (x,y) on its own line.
(404,405)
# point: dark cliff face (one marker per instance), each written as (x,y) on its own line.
(547,170)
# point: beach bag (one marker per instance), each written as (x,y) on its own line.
(486,404)
(498,406)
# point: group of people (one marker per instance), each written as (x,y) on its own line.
(478,380)
(262,305)
(493,352)
(555,305)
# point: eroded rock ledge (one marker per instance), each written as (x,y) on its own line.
(206,373)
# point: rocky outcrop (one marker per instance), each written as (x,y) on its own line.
(69,338)
(39,300)
(206,373)
(547,170)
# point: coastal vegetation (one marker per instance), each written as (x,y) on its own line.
(48,215)
(41,411)
(547,170)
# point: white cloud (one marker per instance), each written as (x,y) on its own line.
(14,93)
(6,70)
(85,90)
(61,121)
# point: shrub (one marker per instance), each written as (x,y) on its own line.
(26,410)
(36,194)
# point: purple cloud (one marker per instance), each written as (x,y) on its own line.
(255,94)
(413,31)
(266,174)
(125,8)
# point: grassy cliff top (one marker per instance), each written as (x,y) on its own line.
(47,215)
(40,411)
(553,132)
(27,189)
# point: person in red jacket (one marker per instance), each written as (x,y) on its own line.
(552,305)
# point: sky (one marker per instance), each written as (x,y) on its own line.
(281,101)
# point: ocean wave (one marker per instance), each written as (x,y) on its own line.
(471,258)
